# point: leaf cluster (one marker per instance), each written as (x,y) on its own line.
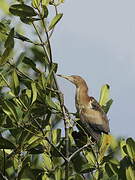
(32,144)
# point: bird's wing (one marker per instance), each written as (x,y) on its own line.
(95,116)
(95,105)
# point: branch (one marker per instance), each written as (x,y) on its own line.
(79,150)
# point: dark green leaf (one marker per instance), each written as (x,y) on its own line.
(6,144)
(86,168)
(5,55)
(50,102)
(10,40)
(31,63)
(28,20)
(16,84)
(21,37)
(107,106)
(22,10)
(130,144)
(2,27)
(9,108)
(45,11)
(55,20)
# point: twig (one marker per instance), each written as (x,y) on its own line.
(79,150)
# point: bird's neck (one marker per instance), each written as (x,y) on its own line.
(82,98)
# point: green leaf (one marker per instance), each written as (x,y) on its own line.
(35,143)
(106,142)
(104,94)
(58,173)
(6,144)
(47,162)
(5,55)
(9,45)
(22,10)
(16,84)
(130,144)
(107,106)
(31,63)
(55,20)
(45,11)
(87,168)
(45,2)
(10,39)
(122,148)
(4,6)
(53,69)
(90,157)
(50,102)
(3,28)
(34,92)
(9,108)
(130,173)
(28,20)
(21,37)
(56,136)
(36,3)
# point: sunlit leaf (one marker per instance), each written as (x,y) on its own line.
(58,174)
(106,141)
(36,3)
(122,148)
(55,20)
(104,94)
(56,135)
(47,161)
(34,92)
(4,6)
(130,173)
(45,2)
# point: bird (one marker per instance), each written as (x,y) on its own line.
(91,114)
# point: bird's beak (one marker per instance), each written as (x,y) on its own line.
(69,78)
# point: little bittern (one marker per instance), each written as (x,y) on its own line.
(90,112)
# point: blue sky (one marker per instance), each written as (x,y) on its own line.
(96,40)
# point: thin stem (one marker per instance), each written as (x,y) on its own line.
(42,43)
(79,150)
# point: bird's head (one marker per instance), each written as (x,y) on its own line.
(76,80)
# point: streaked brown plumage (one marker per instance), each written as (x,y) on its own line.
(91,113)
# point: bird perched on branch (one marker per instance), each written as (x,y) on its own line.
(91,113)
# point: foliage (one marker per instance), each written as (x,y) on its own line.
(31,142)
